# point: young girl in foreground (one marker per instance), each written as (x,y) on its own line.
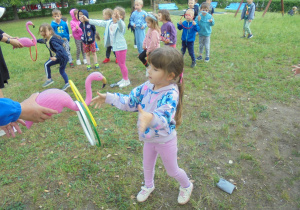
(152,38)
(114,36)
(168,30)
(58,54)
(159,103)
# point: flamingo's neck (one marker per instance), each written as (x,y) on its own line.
(33,37)
(88,89)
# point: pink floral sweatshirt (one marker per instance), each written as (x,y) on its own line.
(77,32)
(151,41)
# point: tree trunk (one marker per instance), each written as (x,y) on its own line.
(15,12)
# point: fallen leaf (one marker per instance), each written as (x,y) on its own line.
(231,180)
(218,168)
(75,156)
(22,144)
(103,170)
(117,176)
(230,161)
(159,167)
(128,147)
(46,190)
(116,154)
(68,195)
(60,183)
(132,196)
(192,180)
(108,155)
(105,129)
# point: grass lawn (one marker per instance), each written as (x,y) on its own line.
(242,106)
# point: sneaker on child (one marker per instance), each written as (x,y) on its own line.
(88,67)
(116,60)
(66,86)
(97,66)
(199,58)
(185,194)
(144,193)
(106,60)
(250,36)
(118,83)
(244,36)
(47,83)
(78,62)
(84,61)
(193,64)
(124,83)
(206,59)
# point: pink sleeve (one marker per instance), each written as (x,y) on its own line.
(73,26)
(145,42)
(154,42)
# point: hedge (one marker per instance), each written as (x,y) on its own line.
(275,6)
(9,14)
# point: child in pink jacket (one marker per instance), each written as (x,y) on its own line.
(152,39)
(77,32)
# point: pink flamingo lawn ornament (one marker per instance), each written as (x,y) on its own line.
(58,99)
(26,42)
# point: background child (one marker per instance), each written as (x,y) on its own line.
(107,14)
(293,11)
(248,16)
(131,27)
(168,30)
(190,28)
(138,21)
(205,22)
(88,38)
(60,28)
(191,4)
(152,39)
(159,102)
(77,32)
(114,36)
(211,8)
(58,55)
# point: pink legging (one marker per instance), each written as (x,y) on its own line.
(121,56)
(168,154)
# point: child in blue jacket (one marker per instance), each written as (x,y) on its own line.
(205,22)
(190,28)
(248,16)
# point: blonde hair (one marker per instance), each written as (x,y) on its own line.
(108,12)
(56,11)
(170,60)
(190,11)
(121,12)
(139,2)
(154,22)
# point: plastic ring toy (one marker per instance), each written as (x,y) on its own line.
(79,98)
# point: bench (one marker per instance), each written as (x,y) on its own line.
(235,6)
(170,6)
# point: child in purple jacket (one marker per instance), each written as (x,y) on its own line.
(168,30)
(159,103)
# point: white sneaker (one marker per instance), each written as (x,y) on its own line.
(78,62)
(124,83)
(185,194)
(147,74)
(135,46)
(84,61)
(144,193)
(118,83)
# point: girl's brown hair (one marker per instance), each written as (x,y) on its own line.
(75,12)
(121,12)
(108,12)
(165,15)
(170,60)
(154,22)
(204,5)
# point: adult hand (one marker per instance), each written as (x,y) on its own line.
(145,119)
(16,43)
(98,100)
(9,129)
(31,111)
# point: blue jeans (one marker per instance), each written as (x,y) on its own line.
(190,46)
(62,72)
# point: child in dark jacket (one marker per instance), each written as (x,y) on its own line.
(58,55)
(190,28)
(88,39)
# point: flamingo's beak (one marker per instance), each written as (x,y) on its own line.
(104,82)
(33,25)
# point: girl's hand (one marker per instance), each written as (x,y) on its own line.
(194,23)
(98,100)
(77,27)
(142,27)
(167,41)
(53,58)
(199,17)
(145,119)
(83,18)
(9,129)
